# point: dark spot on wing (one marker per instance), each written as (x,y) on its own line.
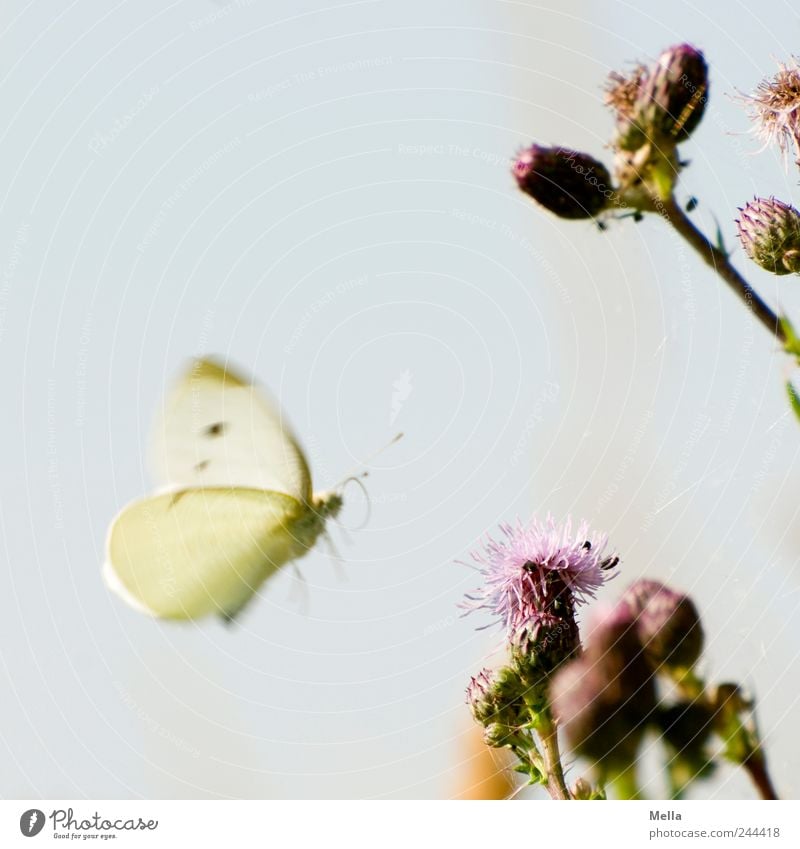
(175,498)
(216,429)
(201,466)
(587,545)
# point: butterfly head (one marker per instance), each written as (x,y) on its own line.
(328,504)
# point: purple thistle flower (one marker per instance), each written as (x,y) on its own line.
(536,575)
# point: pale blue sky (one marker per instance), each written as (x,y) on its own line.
(320,191)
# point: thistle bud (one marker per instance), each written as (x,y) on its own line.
(497,735)
(663,103)
(479,695)
(676,93)
(770,234)
(567,183)
(666,622)
(604,699)
(583,791)
(496,697)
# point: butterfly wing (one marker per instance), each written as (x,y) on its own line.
(218,430)
(190,553)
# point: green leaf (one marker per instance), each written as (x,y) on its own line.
(792,343)
(719,243)
(794,398)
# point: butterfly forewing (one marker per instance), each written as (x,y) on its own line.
(219,430)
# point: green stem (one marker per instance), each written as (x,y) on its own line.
(756,767)
(741,739)
(674,215)
(548,733)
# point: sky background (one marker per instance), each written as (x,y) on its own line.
(321,193)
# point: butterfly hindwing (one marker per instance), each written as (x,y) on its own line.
(189,553)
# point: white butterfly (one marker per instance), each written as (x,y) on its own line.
(238,503)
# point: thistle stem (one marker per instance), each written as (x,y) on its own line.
(740,739)
(556,785)
(756,768)
(718,260)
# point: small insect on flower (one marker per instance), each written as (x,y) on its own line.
(775,108)
(538,573)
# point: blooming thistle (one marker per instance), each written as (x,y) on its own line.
(537,574)
(775,108)
(769,231)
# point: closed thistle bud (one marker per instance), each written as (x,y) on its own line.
(770,234)
(581,789)
(496,735)
(676,93)
(479,697)
(663,103)
(604,699)
(567,183)
(496,697)
(666,622)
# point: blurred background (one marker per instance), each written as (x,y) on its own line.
(321,193)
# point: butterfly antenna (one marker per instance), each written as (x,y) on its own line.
(358,480)
(356,473)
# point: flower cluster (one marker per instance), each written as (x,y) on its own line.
(607,695)
(656,107)
(607,699)
(769,229)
